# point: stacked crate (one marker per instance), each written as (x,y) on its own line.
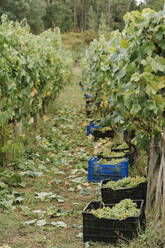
(107,229)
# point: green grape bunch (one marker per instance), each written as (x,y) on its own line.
(127,182)
(107,152)
(121,211)
(112,162)
(122,146)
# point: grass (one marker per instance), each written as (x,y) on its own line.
(60,152)
(78,42)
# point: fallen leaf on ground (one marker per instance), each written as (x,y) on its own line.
(31,222)
(41,222)
(59,224)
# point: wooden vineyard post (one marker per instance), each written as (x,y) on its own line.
(149,176)
(163,157)
(158,197)
(160,187)
(43,107)
(35,121)
(3,154)
(20,127)
(163,165)
(151,184)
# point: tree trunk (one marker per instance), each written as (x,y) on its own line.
(85,14)
(75,15)
(97,12)
(129,5)
(109,11)
(82,15)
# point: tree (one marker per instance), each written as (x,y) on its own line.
(75,15)
(32,10)
(156,5)
(92,19)
(68,14)
(58,14)
(104,28)
(35,15)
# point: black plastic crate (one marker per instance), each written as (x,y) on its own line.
(129,155)
(92,125)
(97,134)
(115,148)
(114,196)
(111,230)
(109,158)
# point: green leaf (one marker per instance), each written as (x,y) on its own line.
(148,68)
(27,211)
(124,44)
(31,173)
(106,121)
(143,62)
(147,76)
(156,66)
(52,211)
(3,185)
(47,196)
(13,180)
(162,44)
(4,117)
(59,198)
(135,77)
(160,59)
(135,109)
(158,35)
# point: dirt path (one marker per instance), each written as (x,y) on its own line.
(55,163)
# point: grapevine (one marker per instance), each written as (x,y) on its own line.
(33,71)
(126,76)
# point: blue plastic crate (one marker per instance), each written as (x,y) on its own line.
(98,172)
(91,126)
(87,96)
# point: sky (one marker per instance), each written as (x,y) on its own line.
(139,1)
